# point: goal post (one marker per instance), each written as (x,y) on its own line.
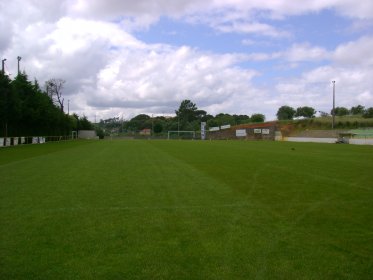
(74,135)
(181,134)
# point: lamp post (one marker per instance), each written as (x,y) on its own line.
(3,66)
(333,115)
(19,59)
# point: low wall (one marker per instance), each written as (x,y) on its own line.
(361,141)
(87,134)
(23,140)
(325,140)
(260,131)
(310,139)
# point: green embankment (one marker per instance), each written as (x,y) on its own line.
(343,122)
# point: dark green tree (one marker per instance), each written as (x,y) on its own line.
(158,127)
(340,111)
(285,113)
(84,124)
(240,119)
(9,104)
(257,118)
(139,122)
(306,112)
(368,113)
(357,110)
(187,111)
(25,110)
(213,122)
(224,119)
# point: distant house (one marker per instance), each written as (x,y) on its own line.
(146,131)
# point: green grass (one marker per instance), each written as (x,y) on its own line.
(186,210)
(341,122)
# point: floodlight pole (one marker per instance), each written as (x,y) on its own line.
(333,112)
(68,106)
(19,59)
(3,65)
(152,134)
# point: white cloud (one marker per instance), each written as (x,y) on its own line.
(280,8)
(251,28)
(162,76)
(108,71)
(306,52)
(313,88)
(359,52)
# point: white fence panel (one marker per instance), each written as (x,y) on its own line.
(309,139)
(361,141)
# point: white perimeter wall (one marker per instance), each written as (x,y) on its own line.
(326,140)
(361,141)
(310,139)
(87,134)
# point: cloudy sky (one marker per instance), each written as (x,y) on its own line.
(233,56)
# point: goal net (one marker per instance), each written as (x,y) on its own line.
(181,134)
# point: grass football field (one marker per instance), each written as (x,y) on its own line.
(186,210)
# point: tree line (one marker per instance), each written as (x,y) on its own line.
(188,117)
(28,110)
(288,113)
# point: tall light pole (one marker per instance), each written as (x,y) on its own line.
(68,106)
(19,59)
(333,112)
(3,65)
(152,134)
(3,71)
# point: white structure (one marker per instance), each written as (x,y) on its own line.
(87,134)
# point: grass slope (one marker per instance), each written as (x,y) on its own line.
(341,122)
(186,210)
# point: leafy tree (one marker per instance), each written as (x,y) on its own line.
(100,132)
(224,119)
(285,113)
(207,117)
(340,111)
(257,118)
(83,123)
(368,113)
(26,110)
(213,122)
(200,115)
(8,104)
(141,117)
(240,119)
(158,127)
(357,110)
(188,117)
(306,112)
(187,111)
(139,122)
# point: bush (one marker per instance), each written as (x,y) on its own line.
(368,113)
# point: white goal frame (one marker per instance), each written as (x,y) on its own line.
(74,135)
(181,131)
